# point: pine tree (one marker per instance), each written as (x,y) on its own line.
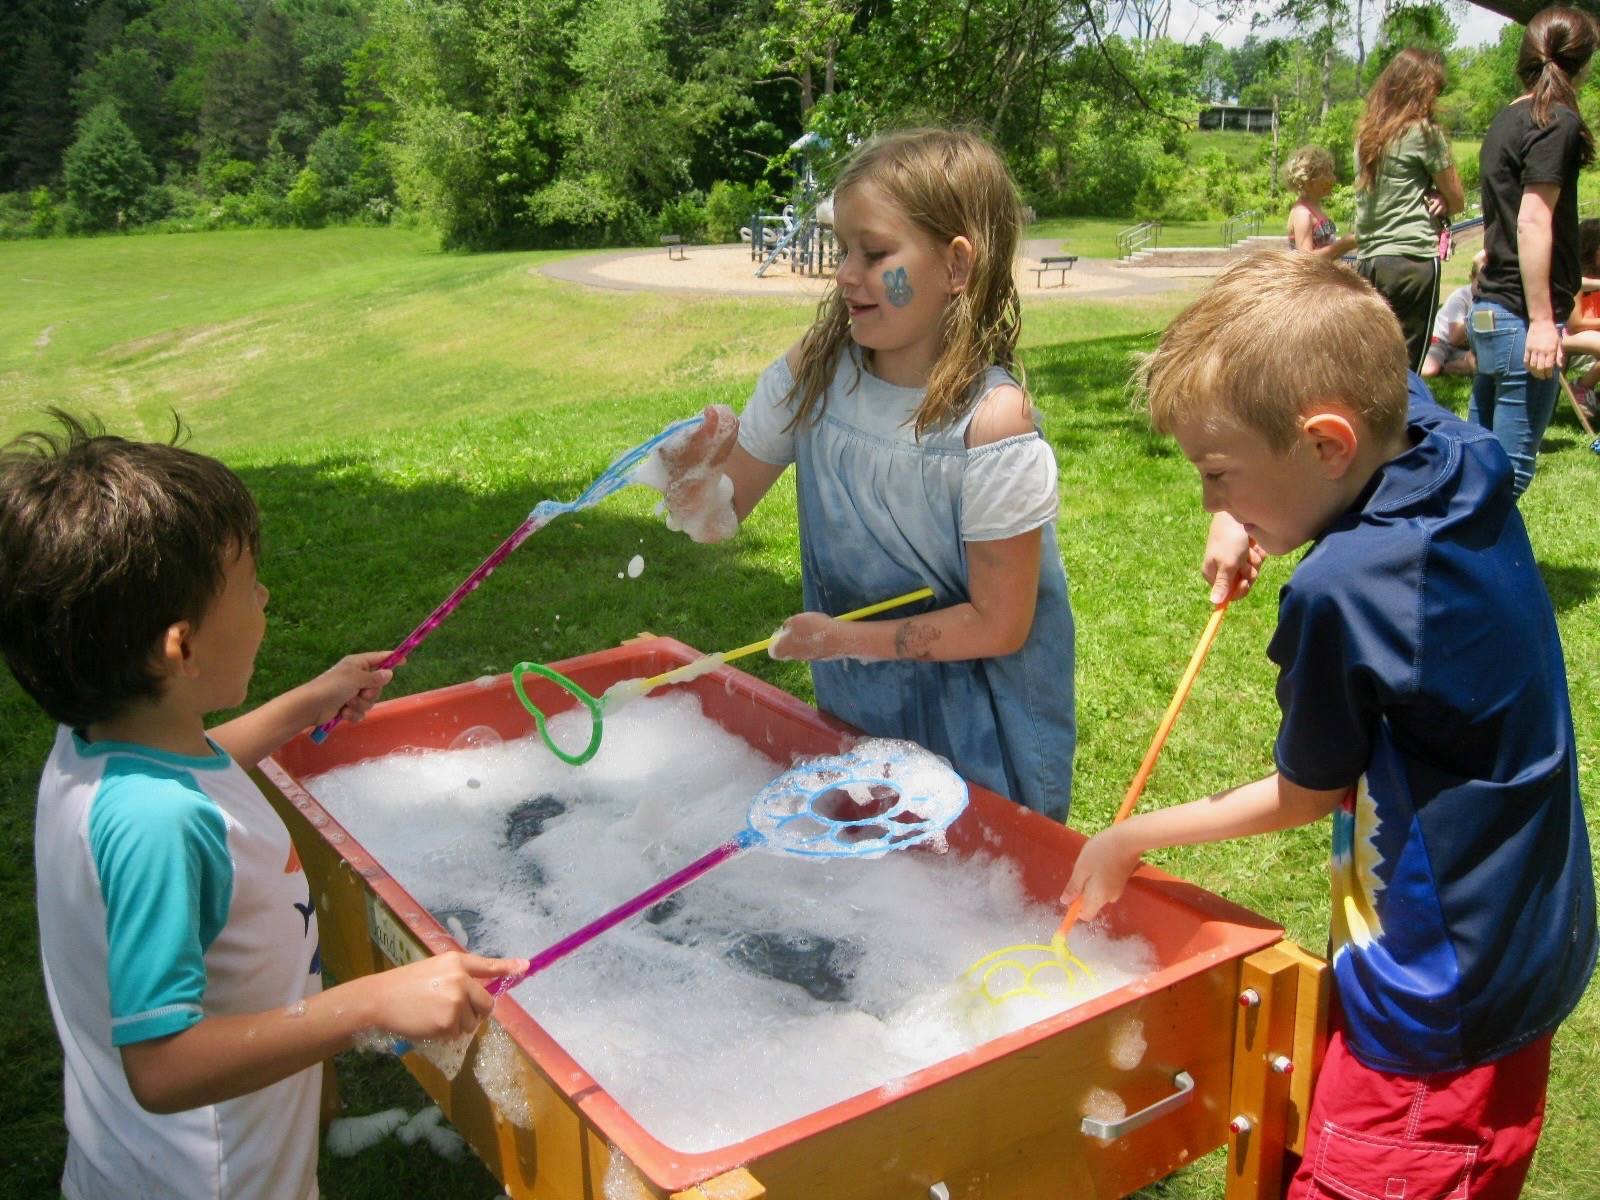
(105,171)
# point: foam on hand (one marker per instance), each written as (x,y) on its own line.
(697,497)
(772,987)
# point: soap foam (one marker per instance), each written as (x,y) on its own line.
(770,988)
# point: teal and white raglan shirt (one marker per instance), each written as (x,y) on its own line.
(168,892)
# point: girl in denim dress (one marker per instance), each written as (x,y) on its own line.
(919,462)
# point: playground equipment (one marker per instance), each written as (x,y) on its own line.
(1231,1017)
(803,231)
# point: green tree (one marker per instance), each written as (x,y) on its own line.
(1482,81)
(251,89)
(628,126)
(129,77)
(105,170)
(802,40)
(41,115)
(1418,26)
(476,87)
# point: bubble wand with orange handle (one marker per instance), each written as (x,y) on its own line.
(1168,719)
(1009,962)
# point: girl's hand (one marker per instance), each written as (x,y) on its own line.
(1232,559)
(349,688)
(1101,872)
(439,997)
(699,498)
(1541,352)
(810,636)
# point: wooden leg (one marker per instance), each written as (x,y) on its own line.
(332,1100)
(1278,1046)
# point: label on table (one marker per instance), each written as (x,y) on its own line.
(397,943)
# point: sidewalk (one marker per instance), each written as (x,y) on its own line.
(729,271)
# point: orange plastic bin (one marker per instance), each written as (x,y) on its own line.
(1005,1120)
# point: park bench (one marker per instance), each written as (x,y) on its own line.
(674,244)
(1053,262)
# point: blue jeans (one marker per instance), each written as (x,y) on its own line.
(1505,396)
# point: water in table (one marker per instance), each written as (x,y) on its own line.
(771,988)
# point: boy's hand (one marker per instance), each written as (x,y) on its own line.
(810,637)
(697,500)
(349,688)
(1232,559)
(439,997)
(1101,872)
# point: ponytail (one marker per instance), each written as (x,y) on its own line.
(1557,46)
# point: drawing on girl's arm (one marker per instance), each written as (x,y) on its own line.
(897,287)
(915,639)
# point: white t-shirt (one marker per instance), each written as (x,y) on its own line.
(1457,309)
(1008,487)
(168,891)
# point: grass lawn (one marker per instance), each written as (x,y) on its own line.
(397,411)
(1096,237)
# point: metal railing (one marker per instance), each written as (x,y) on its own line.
(1136,237)
(1240,226)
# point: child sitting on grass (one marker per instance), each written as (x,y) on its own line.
(1424,706)
(1448,351)
(1581,342)
(177,928)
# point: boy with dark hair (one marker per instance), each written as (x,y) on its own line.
(1425,707)
(177,928)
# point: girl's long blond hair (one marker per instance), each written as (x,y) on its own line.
(1403,96)
(950,183)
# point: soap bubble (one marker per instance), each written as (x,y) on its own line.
(479,737)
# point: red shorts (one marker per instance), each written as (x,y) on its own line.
(1458,1135)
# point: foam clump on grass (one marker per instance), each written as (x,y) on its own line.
(349,1136)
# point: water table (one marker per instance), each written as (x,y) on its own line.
(1234,1015)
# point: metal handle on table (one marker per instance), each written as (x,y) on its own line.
(1108,1130)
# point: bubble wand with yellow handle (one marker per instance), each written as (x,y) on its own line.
(625,690)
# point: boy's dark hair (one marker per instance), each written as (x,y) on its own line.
(104,543)
(1588,243)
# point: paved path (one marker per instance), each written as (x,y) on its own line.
(729,271)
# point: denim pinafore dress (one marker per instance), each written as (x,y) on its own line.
(880,515)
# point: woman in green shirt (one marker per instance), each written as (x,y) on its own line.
(1406,182)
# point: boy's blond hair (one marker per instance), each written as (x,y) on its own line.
(1306,164)
(1275,335)
(950,183)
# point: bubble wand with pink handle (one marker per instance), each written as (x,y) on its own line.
(613,479)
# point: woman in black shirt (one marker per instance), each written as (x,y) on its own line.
(1528,168)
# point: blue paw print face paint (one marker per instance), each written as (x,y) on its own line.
(897,288)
